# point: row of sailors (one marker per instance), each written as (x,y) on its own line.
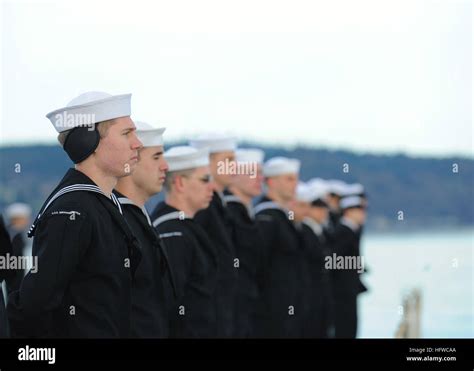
(207,262)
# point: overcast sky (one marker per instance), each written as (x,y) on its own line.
(376,76)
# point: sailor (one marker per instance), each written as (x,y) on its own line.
(358,190)
(217,222)
(346,281)
(282,293)
(149,315)
(17,217)
(86,252)
(246,186)
(18,221)
(317,220)
(336,189)
(319,213)
(312,265)
(192,256)
(353,189)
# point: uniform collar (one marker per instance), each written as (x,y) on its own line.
(165,212)
(350,224)
(267,203)
(126,201)
(315,226)
(230,197)
(73,180)
(219,197)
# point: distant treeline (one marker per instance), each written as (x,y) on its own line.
(430,193)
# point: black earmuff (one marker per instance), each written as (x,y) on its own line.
(81,142)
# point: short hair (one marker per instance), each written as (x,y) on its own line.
(102,127)
(170,175)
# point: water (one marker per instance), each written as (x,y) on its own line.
(439,263)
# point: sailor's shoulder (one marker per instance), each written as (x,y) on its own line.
(169,222)
(79,201)
(268,212)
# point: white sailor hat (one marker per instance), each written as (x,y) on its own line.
(351,202)
(254,155)
(337,187)
(149,135)
(186,157)
(281,165)
(319,185)
(16,210)
(304,193)
(215,142)
(319,189)
(354,189)
(90,108)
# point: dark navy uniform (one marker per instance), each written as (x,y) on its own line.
(18,250)
(333,221)
(346,282)
(285,272)
(86,258)
(249,246)
(193,261)
(217,222)
(149,314)
(319,293)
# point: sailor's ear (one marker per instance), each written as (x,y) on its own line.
(178,181)
(81,142)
